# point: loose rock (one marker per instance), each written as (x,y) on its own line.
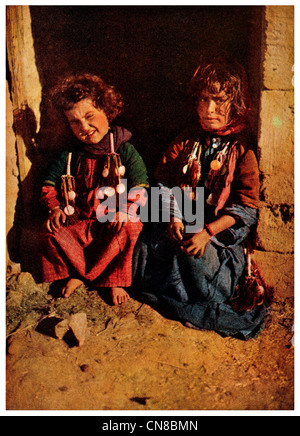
(78,325)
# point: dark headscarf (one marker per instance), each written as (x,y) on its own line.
(103,147)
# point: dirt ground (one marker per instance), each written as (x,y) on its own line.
(134,359)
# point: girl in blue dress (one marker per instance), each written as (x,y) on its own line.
(196,276)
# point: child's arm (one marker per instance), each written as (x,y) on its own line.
(49,196)
(245,186)
(137,182)
(194,244)
(135,169)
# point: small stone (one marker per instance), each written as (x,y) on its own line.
(61,328)
(14,268)
(63,388)
(26,279)
(84,368)
(14,347)
(78,325)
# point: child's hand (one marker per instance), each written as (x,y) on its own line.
(195,243)
(56,218)
(175,229)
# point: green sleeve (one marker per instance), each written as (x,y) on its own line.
(135,169)
(56,170)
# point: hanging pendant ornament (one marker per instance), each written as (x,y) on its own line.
(109,191)
(215,165)
(121,170)
(68,192)
(71,195)
(100,194)
(120,188)
(113,168)
(216,142)
(69,210)
(105,173)
(112,173)
(192,169)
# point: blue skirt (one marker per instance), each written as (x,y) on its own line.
(196,292)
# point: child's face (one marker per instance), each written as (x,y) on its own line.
(88,123)
(214,110)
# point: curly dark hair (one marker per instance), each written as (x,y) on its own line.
(74,88)
(230,77)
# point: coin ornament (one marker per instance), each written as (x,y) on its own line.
(216,142)
(71,195)
(100,194)
(120,188)
(105,173)
(121,170)
(69,210)
(109,191)
(215,165)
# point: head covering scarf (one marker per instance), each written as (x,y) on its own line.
(121,135)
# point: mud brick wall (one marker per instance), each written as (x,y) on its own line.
(276,148)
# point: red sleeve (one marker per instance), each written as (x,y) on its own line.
(168,167)
(49,197)
(245,186)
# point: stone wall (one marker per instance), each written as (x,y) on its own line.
(276,148)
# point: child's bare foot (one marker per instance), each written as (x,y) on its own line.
(71,286)
(118,295)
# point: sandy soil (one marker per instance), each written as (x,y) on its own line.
(134,359)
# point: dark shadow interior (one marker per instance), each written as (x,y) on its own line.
(148,53)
